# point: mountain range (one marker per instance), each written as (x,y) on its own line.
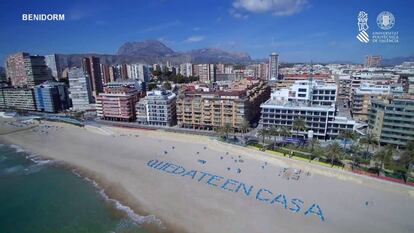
(154,51)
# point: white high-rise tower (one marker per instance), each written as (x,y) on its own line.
(273,66)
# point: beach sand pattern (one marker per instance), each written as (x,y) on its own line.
(349,202)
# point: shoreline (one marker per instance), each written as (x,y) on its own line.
(112,195)
(119,165)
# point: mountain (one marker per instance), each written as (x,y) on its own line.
(153,51)
(148,48)
(396,60)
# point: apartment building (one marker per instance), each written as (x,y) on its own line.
(362,97)
(52,97)
(208,107)
(157,108)
(17,99)
(117,102)
(24,70)
(79,89)
(205,72)
(392,120)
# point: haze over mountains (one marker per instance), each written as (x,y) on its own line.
(154,51)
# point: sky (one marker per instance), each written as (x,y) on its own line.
(298,30)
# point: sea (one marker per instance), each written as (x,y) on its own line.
(42,196)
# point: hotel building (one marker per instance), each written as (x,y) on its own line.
(157,108)
(208,107)
(362,97)
(79,89)
(51,97)
(24,70)
(392,120)
(17,99)
(117,102)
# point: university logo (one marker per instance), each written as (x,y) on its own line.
(363,27)
(385,20)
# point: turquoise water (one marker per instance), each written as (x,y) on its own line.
(44,197)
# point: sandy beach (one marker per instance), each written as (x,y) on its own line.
(197,184)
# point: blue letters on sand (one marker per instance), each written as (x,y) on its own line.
(264,195)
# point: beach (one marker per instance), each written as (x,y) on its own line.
(198,184)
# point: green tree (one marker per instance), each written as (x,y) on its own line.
(284,131)
(347,135)
(299,125)
(313,144)
(369,139)
(407,159)
(167,85)
(227,129)
(334,151)
(355,152)
(274,131)
(383,156)
(263,133)
(245,126)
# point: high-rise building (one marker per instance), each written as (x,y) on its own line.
(205,72)
(392,120)
(117,102)
(79,89)
(17,99)
(273,66)
(24,70)
(52,62)
(372,61)
(105,74)
(138,72)
(92,67)
(52,97)
(186,69)
(157,108)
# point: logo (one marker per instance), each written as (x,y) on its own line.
(385,20)
(363,27)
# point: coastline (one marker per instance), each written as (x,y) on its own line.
(124,175)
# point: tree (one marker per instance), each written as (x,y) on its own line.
(407,159)
(347,135)
(263,133)
(245,126)
(333,151)
(227,129)
(313,143)
(274,131)
(299,125)
(167,85)
(369,139)
(383,156)
(355,151)
(284,131)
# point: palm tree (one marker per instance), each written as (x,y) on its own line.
(313,143)
(263,133)
(369,139)
(284,131)
(245,126)
(383,156)
(227,129)
(274,131)
(355,150)
(347,135)
(299,125)
(407,158)
(334,151)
